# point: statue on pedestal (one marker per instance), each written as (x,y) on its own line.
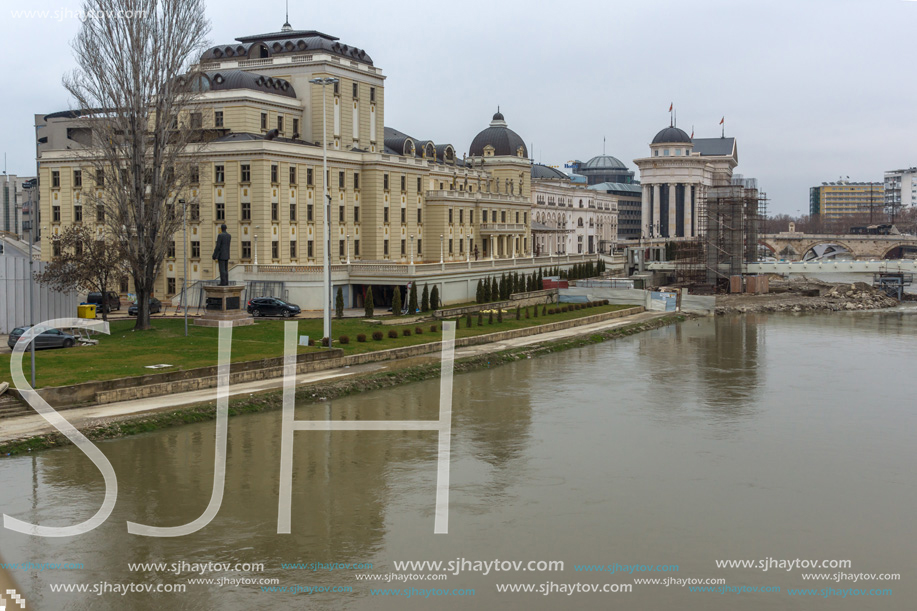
(221,254)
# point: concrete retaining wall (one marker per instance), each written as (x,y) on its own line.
(125,389)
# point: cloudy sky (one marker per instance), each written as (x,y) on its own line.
(812,89)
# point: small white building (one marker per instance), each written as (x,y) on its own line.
(900,189)
(569,218)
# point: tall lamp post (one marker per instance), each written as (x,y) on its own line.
(326,285)
(29,226)
(348,249)
(184,250)
(441,251)
(412,249)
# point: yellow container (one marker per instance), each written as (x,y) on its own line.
(87,310)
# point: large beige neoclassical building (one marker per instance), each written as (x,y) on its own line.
(395,199)
(676,178)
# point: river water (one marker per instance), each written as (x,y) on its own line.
(735,438)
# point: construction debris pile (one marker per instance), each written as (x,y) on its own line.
(807,296)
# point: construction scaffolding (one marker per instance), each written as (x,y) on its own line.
(731,222)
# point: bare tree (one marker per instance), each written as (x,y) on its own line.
(135,84)
(88,261)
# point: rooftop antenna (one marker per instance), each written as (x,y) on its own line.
(286,24)
(603,145)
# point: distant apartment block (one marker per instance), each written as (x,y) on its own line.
(841,199)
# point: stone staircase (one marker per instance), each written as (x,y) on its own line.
(11,407)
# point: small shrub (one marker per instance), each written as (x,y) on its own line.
(605,302)
(311,342)
(468,320)
(551,311)
(361,337)
(326,341)
(480,319)
(406,333)
(344,339)
(377,336)
(418,331)
(392,334)
(500,315)
(433,329)
(535,311)
(490,318)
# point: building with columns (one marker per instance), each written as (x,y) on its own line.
(676,179)
(570,218)
(395,199)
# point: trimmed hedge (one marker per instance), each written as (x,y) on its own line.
(344,339)
(361,337)
(377,335)
(392,334)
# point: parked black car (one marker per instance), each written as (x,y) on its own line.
(107,302)
(155,307)
(52,338)
(271,306)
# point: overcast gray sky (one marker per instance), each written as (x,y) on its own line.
(811,89)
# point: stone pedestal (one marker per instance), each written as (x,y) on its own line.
(224,303)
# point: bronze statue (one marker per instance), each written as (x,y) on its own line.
(221,254)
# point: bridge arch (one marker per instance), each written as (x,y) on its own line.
(810,246)
(901,248)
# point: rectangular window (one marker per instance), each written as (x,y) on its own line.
(296,128)
(461,246)
(219,174)
(100,178)
(341,249)
(246,172)
(471,217)
(274,173)
(246,211)
(55,248)
(77,214)
(264,120)
(404,184)
(292,211)
(246,249)
(310,249)
(195,249)
(171,254)
(218,118)
(292,174)
(55,178)
(309,216)
(78,249)
(356,214)
(450,216)
(275,250)
(517,217)
(419,216)
(356,248)
(275,211)
(404,214)
(170,286)
(385,215)
(77,178)
(461,216)
(503,216)
(450,246)
(280,123)
(418,184)
(485,215)
(385,247)
(385,182)
(195,174)
(340,180)
(292,249)
(340,214)
(100,213)
(355,91)
(197,120)
(220,211)
(356,181)
(525,217)
(337,88)
(403,247)
(419,247)
(372,94)
(55,214)
(309,177)
(195,212)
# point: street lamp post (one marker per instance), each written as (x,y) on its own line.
(442,252)
(412,249)
(184,249)
(257,227)
(348,249)
(326,285)
(31,231)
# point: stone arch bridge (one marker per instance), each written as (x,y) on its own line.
(794,246)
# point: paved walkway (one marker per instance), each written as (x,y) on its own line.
(30,426)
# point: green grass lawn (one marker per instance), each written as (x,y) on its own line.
(126,352)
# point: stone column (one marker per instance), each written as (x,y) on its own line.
(657,226)
(645,212)
(673,231)
(686,202)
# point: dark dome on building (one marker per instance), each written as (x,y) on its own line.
(603,162)
(503,140)
(672,135)
(547,172)
(285,42)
